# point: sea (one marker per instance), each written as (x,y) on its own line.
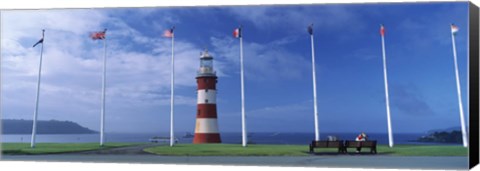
(228,138)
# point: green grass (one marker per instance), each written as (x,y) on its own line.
(298,150)
(52,148)
(229,150)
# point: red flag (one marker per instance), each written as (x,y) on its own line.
(382,30)
(237,33)
(454,29)
(168,33)
(98,35)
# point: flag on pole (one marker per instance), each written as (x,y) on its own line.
(168,33)
(237,33)
(98,35)
(40,41)
(454,29)
(310,29)
(387,101)
(37,99)
(382,30)
(101,35)
(315,110)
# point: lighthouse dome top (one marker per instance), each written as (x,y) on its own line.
(205,55)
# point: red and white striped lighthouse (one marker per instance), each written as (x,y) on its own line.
(206,128)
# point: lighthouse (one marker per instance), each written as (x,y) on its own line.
(206,128)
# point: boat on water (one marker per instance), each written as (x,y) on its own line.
(188,135)
(274,134)
(162,139)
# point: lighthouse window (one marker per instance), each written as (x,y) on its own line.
(206,90)
(206,100)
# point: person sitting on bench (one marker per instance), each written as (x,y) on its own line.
(360,137)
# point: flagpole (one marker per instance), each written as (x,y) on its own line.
(102,120)
(171,96)
(244,129)
(390,136)
(317,134)
(35,114)
(460,106)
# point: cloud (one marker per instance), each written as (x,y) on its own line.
(264,119)
(262,62)
(409,101)
(296,19)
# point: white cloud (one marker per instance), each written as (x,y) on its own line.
(262,62)
(296,19)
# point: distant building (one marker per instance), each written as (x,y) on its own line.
(206,128)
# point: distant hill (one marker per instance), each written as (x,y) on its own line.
(443,137)
(448,135)
(15,126)
(457,128)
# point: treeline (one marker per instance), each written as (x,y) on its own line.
(443,137)
(20,126)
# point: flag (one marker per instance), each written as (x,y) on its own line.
(237,33)
(98,35)
(382,30)
(310,29)
(168,33)
(454,29)
(40,41)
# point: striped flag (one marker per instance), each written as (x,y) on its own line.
(98,35)
(168,33)
(454,29)
(237,33)
(382,30)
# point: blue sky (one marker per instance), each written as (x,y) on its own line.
(277,56)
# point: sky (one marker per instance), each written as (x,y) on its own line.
(277,60)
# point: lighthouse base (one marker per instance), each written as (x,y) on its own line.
(201,138)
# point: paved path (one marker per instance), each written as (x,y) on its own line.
(135,154)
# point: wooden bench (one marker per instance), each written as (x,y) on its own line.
(327,144)
(363,144)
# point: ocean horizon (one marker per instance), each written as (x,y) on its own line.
(227,138)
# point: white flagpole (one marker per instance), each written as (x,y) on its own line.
(35,114)
(171,96)
(244,129)
(317,134)
(390,136)
(102,117)
(462,119)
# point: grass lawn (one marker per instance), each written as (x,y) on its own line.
(51,148)
(297,150)
(229,150)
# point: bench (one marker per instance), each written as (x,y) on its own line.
(363,144)
(327,144)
